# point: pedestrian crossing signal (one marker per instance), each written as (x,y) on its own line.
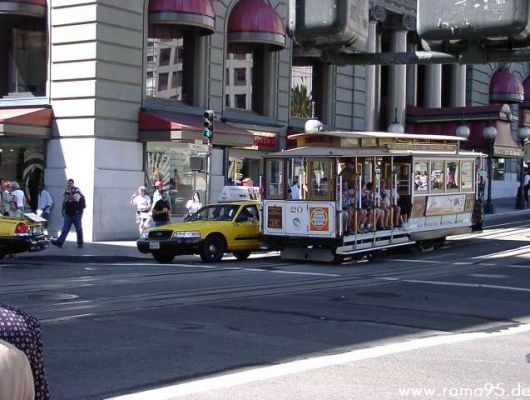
(208,125)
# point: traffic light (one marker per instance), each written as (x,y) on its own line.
(208,125)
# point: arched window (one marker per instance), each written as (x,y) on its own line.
(174,46)
(255,31)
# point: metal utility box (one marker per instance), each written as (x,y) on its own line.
(332,23)
(197,163)
(499,23)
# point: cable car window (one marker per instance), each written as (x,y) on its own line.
(452,175)
(466,176)
(421,176)
(437,176)
(321,179)
(274,175)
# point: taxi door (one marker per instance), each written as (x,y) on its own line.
(247,234)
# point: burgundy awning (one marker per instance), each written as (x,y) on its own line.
(28,8)
(160,126)
(169,18)
(256,22)
(444,121)
(505,87)
(26,121)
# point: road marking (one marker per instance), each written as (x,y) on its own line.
(518,266)
(298,366)
(489,276)
(415,261)
(289,272)
(461,284)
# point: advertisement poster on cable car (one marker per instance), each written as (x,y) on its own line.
(444,205)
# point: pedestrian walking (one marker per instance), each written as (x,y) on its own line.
(161,210)
(194,204)
(142,202)
(73,206)
(44,203)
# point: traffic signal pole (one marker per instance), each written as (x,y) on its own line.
(209,116)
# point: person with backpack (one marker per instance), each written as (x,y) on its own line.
(73,205)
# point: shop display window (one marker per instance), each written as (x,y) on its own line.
(170,164)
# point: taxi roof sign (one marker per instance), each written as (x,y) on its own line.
(239,193)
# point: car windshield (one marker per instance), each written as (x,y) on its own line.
(216,212)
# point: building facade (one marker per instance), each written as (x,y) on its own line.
(111,93)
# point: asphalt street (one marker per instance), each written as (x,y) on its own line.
(407,324)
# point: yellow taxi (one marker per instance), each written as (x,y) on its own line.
(18,235)
(216,229)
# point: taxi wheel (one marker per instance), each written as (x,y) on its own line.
(213,249)
(163,257)
(2,255)
(241,255)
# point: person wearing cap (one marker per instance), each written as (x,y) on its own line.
(161,210)
(142,202)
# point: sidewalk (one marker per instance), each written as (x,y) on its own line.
(127,248)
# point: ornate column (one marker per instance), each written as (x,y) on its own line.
(373,72)
(433,86)
(458,85)
(399,25)
(412,79)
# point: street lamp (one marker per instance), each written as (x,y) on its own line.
(522,134)
(463,131)
(489,133)
(395,127)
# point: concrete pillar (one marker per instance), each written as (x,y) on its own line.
(397,80)
(458,85)
(371,77)
(412,80)
(433,86)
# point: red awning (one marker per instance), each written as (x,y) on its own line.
(445,121)
(169,18)
(254,21)
(505,87)
(29,8)
(19,121)
(158,126)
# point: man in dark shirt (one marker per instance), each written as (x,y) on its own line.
(161,210)
(73,206)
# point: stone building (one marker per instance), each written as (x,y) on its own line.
(111,93)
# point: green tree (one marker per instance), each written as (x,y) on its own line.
(300,102)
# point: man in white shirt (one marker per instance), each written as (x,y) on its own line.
(44,203)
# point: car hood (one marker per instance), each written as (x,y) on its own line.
(190,226)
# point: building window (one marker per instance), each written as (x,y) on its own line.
(170,58)
(248,72)
(240,76)
(308,77)
(162,82)
(23,57)
(240,101)
(165,56)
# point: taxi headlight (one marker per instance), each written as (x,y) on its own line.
(144,235)
(187,235)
